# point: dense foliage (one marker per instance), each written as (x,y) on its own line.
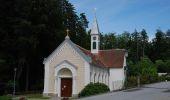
(29,31)
(93,89)
(145,58)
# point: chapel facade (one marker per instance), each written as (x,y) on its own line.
(70,67)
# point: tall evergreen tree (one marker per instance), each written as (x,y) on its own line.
(29,31)
(158,46)
(144,39)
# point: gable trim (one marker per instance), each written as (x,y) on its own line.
(66,61)
(86,58)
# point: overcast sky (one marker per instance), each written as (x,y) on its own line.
(126,15)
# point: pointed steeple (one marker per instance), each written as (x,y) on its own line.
(95,28)
(95,37)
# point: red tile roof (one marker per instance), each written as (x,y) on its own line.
(112,58)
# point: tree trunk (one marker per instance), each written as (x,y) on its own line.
(27,78)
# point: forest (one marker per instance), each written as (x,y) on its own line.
(31,29)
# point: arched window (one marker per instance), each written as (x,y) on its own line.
(103,78)
(90,76)
(94,45)
(65,73)
(94,38)
(106,79)
(94,77)
(99,78)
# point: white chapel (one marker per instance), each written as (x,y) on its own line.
(69,68)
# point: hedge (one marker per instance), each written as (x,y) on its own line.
(93,89)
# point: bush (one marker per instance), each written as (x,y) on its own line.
(167,78)
(131,81)
(161,78)
(94,88)
(146,79)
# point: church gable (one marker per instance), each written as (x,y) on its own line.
(67,46)
(67,52)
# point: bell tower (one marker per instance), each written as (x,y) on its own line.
(95,38)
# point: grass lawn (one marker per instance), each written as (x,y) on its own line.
(5,97)
(28,96)
(36,96)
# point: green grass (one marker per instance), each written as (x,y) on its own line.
(36,96)
(28,96)
(5,97)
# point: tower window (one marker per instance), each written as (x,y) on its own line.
(94,45)
(94,38)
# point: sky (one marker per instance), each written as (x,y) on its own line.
(126,15)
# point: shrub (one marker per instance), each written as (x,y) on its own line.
(131,81)
(161,78)
(146,79)
(167,78)
(94,88)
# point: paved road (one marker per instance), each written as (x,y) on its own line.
(157,91)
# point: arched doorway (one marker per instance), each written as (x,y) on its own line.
(66,82)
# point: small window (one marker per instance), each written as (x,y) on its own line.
(94,38)
(94,45)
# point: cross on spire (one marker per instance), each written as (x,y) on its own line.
(67,31)
(95,11)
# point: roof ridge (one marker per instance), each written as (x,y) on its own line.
(82,47)
(101,58)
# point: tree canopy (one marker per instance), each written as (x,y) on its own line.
(29,31)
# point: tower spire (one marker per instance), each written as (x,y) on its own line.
(95,39)
(95,28)
(95,12)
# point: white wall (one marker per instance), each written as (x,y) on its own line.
(46,78)
(116,78)
(99,74)
(87,73)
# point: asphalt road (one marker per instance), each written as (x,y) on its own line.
(157,91)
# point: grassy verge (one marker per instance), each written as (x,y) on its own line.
(27,96)
(5,97)
(36,96)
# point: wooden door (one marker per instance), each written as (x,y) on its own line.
(66,87)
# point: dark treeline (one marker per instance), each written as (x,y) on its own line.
(31,29)
(138,45)
(144,57)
